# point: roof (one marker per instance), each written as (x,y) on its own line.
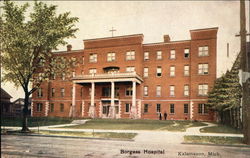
(205,29)
(107,38)
(5,95)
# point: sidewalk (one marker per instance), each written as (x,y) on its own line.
(143,135)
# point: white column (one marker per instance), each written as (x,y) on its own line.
(133,108)
(92,94)
(112,108)
(46,108)
(74,100)
(92,103)
(191,109)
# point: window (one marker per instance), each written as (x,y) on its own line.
(202,109)
(40,76)
(53,76)
(106,91)
(40,92)
(145,108)
(186,90)
(63,76)
(172,89)
(145,91)
(203,89)
(145,73)
(202,69)
(82,60)
(130,69)
(73,74)
(203,51)
(39,107)
(185,108)
(127,108)
(172,108)
(172,71)
(53,92)
(159,55)
(158,71)
(62,92)
(129,91)
(158,91)
(130,55)
(158,107)
(92,71)
(111,56)
(116,109)
(71,92)
(186,70)
(93,58)
(186,53)
(51,108)
(82,72)
(146,56)
(172,54)
(61,107)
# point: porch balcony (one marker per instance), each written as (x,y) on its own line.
(106,77)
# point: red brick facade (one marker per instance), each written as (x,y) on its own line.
(194,71)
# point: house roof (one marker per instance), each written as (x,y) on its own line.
(5,95)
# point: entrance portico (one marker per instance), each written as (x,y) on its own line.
(113,78)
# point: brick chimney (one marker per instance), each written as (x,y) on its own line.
(166,38)
(69,47)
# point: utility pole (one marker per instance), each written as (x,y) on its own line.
(245,75)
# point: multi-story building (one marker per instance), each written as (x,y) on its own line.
(120,77)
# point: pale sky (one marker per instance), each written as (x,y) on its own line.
(153,20)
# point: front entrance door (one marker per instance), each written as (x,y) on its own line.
(105,111)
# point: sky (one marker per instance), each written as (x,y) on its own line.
(153,20)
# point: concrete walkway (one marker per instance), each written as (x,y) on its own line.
(143,136)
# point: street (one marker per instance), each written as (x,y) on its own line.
(35,146)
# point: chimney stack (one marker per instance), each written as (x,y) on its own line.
(166,38)
(69,47)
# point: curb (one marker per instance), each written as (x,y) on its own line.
(74,137)
(227,145)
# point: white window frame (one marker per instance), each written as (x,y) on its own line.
(130,89)
(203,109)
(172,91)
(111,56)
(159,55)
(172,54)
(146,56)
(40,92)
(185,108)
(172,106)
(186,90)
(158,71)
(92,71)
(186,51)
(53,91)
(73,74)
(203,69)
(145,72)
(129,106)
(63,76)
(62,92)
(93,58)
(158,108)
(39,107)
(130,55)
(145,91)
(186,70)
(172,71)
(158,90)
(203,89)
(130,69)
(203,51)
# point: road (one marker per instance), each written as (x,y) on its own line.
(35,146)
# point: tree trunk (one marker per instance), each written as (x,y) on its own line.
(25,113)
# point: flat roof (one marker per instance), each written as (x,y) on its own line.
(108,38)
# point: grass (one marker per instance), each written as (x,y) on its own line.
(92,135)
(128,124)
(213,140)
(35,121)
(220,129)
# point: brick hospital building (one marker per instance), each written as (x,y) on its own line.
(120,77)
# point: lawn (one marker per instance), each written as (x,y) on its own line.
(213,140)
(220,129)
(129,124)
(35,121)
(91,134)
